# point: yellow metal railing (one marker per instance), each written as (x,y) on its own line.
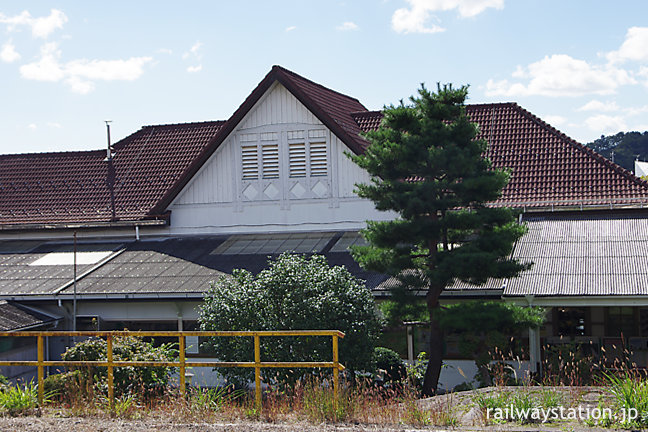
(182,362)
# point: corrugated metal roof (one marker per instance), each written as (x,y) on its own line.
(576,255)
(18,275)
(15,317)
(170,266)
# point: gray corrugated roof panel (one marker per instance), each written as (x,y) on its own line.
(37,268)
(184,266)
(15,317)
(580,255)
(495,285)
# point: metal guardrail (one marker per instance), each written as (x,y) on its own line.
(182,363)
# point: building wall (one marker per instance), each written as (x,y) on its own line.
(223,197)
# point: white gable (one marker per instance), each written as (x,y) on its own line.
(280,169)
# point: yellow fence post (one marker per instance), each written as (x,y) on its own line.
(41,371)
(181,362)
(111,383)
(183,385)
(257,372)
(336,369)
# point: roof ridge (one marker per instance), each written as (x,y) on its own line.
(181,124)
(580,147)
(283,69)
(51,153)
(367,112)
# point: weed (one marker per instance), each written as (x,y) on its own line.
(213,399)
(631,395)
(17,400)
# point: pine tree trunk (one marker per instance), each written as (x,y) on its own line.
(433,371)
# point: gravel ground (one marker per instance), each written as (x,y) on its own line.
(52,424)
(469,419)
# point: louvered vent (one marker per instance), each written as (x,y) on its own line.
(297,156)
(250,161)
(270,153)
(318,161)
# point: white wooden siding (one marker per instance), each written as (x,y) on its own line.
(278,106)
(348,172)
(214,183)
(313,190)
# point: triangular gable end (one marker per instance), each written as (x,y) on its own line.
(333,109)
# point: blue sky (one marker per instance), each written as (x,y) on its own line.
(65,67)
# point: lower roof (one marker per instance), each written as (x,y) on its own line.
(17,317)
(576,254)
(166,267)
(591,254)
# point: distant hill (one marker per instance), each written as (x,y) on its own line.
(627,146)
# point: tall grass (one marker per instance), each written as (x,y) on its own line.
(19,400)
(630,391)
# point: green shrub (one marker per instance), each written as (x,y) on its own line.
(144,380)
(390,362)
(296,292)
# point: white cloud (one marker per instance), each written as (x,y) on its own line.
(194,53)
(8,53)
(637,110)
(54,125)
(291,28)
(414,19)
(604,124)
(555,120)
(80,74)
(165,51)
(346,26)
(596,105)
(561,75)
(47,68)
(32,126)
(40,27)
(634,46)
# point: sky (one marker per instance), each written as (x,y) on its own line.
(67,66)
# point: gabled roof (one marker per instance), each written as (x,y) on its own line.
(335,110)
(152,166)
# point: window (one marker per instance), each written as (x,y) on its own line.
(571,321)
(270,153)
(287,164)
(621,320)
(250,160)
(318,160)
(297,156)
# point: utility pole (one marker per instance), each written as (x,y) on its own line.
(74,282)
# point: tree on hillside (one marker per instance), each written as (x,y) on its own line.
(428,167)
(295,292)
(627,147)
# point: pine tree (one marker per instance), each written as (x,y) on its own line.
(428,167)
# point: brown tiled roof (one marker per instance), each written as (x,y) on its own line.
(153,165)
(44,188)
(548,169)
